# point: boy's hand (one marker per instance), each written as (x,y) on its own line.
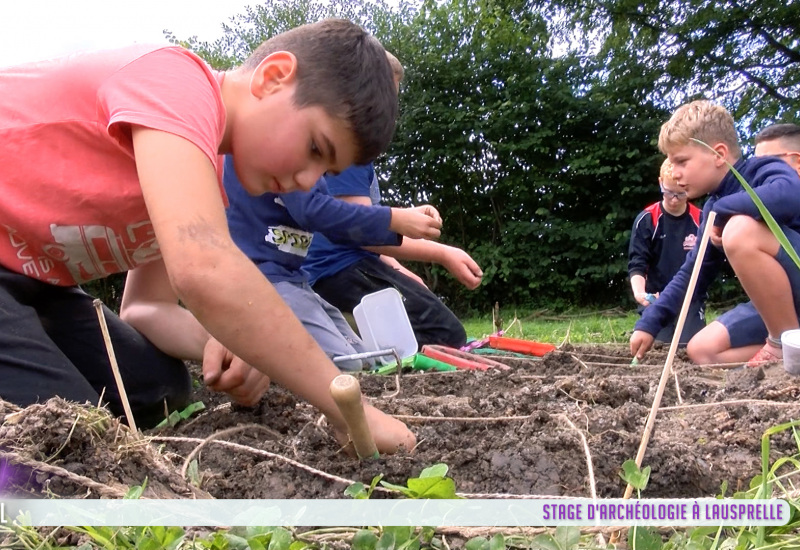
(418,222)
(390,434)
(223,371)
(715,236)
(462,267)
(641,342)
(429,210)
(645,298)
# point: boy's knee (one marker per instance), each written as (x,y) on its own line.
(737,227)
(700,352)
(744,233)
(697,352)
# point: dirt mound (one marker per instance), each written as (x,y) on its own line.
(537,429)
(69,450)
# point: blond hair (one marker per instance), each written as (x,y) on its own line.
(666,172)
(699,120)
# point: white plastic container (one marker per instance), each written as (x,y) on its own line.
(383,323)
(791,351)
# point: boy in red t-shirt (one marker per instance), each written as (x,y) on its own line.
(110,162)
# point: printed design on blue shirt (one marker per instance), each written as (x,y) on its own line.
(289,239)
(375,190)
(689,241)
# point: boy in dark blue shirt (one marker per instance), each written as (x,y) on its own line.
(662,235)
(275,231)
(751,331)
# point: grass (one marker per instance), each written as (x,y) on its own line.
(583,327)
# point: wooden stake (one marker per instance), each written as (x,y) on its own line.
(651,418)
(346,392)
(98,305)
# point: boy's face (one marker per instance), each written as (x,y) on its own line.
(279,147)
(696,169)
(675,198)
(778,148)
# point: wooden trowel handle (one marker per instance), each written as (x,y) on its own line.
(346,392)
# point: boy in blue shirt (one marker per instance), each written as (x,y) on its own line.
(751,331)
(275,231)
(343,274)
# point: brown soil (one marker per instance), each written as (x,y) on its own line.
(515,432)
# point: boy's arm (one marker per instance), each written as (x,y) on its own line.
(777,187)
(359,224)
(669,302)
(150,306)
(224,290)
(638,283)
(397,266)
(639,256)
(456,261)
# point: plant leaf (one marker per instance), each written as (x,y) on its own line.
(364,540)
(437,470)
(433,487)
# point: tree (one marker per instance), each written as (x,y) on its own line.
(744,54)
(537,165)
(246,31)
(538,161)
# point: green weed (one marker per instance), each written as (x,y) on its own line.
(431,483)
(178,416)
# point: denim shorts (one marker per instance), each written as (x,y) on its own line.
(743,323)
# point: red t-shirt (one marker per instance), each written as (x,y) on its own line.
(71,207)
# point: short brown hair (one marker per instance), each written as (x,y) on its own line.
(344,70)
(699,120)
(787,133)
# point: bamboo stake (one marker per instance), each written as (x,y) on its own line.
(651,418)
(98,305)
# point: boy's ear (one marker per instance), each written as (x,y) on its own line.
(721,156)
(276,70)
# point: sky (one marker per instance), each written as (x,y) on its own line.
(32,30)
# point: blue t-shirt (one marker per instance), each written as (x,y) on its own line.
(325,257)
(275,230)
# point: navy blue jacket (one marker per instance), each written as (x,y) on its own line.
(275,229)
(776,184)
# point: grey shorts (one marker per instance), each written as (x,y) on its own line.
(324,322)
(743,323)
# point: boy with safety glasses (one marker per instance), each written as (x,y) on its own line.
(662,235)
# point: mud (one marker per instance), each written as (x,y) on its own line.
(515,432)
